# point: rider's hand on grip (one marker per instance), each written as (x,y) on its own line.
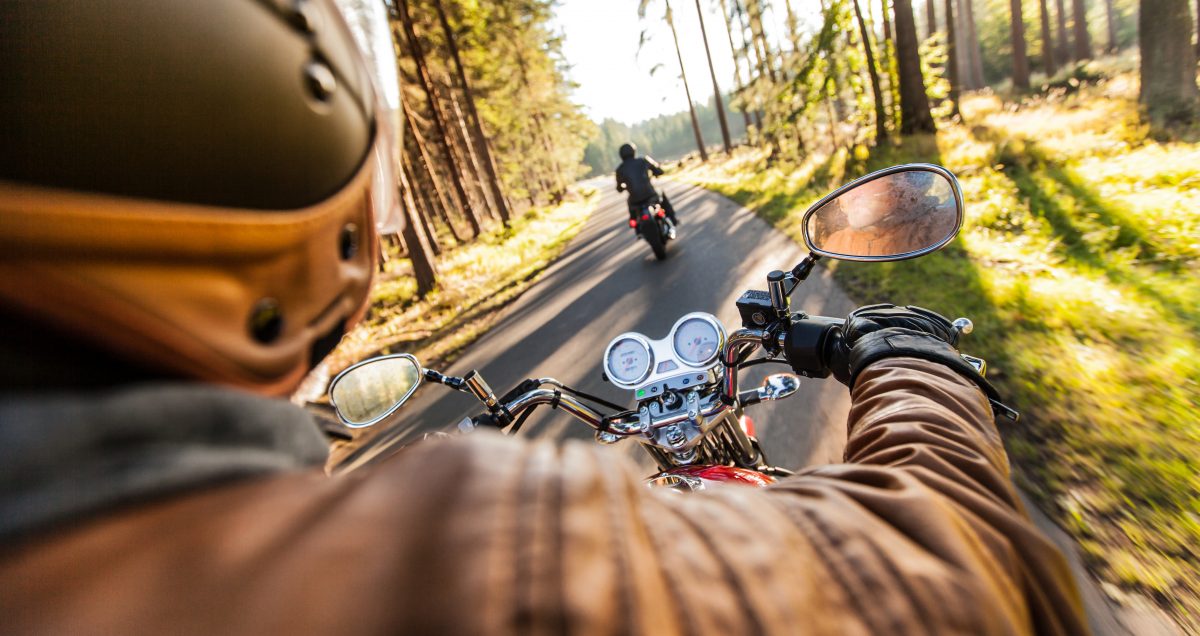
(875,332)
(872,318)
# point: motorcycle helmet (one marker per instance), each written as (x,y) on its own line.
(195,186)
(627,151)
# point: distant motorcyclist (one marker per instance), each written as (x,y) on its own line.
(633,176)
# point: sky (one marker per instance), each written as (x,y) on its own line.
(601,44)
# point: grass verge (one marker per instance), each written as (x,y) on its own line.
(1079,264)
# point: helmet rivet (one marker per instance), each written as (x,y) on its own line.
(348,241)
(305,16)
(266,321)
(320,81)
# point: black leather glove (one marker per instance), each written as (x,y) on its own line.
(872,318)
(875,332)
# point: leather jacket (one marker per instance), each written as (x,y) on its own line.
(919,532)
(633,175)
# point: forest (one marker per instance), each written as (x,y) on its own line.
(1074,128)
(491,128)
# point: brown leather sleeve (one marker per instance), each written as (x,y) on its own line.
(921,535)
(946,489)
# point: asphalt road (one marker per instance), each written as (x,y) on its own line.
(607,283)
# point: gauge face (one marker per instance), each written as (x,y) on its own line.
(696,341)
(628,360)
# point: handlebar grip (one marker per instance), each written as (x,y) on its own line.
(809,343)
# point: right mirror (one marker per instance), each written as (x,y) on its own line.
(898,213)
(369,391)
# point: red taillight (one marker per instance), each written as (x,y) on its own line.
(661,213)
(645,217)
(632,223)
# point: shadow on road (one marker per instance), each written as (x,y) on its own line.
(607,283)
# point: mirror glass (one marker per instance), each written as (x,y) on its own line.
(887,217)
(778,386)
(367,392)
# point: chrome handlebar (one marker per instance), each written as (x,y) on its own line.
(735,345)
(573,406)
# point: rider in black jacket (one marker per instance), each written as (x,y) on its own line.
(633,175)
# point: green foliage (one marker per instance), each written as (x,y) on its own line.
(1079,264)
(514,62)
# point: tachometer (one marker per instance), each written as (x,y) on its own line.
(628,359)
(697,340)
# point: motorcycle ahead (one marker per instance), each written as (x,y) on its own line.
(654,227)
(687,407)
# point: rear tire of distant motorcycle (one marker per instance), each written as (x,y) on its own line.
(655,238)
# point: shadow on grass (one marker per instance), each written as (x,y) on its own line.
(1023,162)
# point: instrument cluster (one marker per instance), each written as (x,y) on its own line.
(632,360)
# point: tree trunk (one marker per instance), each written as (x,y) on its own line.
(421,200)
(1048,62)
(1168,64)
(976,52)
(952,58)
(716,89)
(737,69)
(914,102)
(427,167)
(1083,42)
(439,125)
(687,91)
(887,46)
(881,135)
(481,141)
(424,268)
(468,150)
(1111,18)
(930,19)
(1063,50)
(887,20)
(760,38)
(962,48)
(1020,75)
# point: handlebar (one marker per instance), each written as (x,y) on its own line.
(581,411)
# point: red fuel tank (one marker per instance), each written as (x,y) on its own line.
(698,477)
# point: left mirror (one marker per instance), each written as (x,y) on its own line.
(373,389)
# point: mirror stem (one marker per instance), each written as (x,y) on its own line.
(448,380)
(481,390)
(801,271)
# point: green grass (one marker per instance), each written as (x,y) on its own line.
(475,281)
(1079,264)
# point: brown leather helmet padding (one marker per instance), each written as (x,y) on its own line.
(174,286)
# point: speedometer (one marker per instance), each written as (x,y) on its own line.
(697,340)
(628,359)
